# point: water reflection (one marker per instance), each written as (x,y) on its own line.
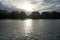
(28,26)
(29,29)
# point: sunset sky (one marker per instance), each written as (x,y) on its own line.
(32,5)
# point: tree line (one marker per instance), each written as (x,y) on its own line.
(34,15)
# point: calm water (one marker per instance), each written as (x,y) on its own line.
(30,29)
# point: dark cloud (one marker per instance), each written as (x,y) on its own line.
(47,4)
(54,4)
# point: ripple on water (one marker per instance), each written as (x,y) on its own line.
(29,30)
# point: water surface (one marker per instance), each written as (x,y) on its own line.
(30,29)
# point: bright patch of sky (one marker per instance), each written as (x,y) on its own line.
(41,5)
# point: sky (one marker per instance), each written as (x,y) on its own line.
(40,5)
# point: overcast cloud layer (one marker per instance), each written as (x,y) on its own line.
(43,5)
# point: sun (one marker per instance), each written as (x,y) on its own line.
(26,6)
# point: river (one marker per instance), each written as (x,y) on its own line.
(29,29)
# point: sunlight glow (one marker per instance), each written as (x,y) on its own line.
(28,26)
(26,6)
(30,5)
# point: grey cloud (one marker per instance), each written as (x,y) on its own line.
(47,4)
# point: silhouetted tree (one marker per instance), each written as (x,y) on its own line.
(23,15)
(35,15)
(46,15)
(50,15)
(15,15)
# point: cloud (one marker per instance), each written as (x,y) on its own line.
(53,4)
(47,4)
(42,5)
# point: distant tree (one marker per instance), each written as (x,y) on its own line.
(23,15)
(15,15)
(56,15)
(50,15)
(35,15)
(46,15)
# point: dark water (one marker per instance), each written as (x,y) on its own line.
(30,29)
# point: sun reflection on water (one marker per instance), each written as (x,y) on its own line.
(28,26)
